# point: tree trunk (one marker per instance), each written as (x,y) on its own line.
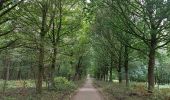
(120,76)
(120,72)
(41,48)
(77,69)
(120,67)
(110,77)
(40,67)
(19,74)
(104,77)
(151,66)
(107,74)
(126,65)
(58,69)
(111,68)
(7,65)
(53,65)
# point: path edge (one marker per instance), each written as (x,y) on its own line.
(99,90)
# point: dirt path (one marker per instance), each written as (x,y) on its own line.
(87,92)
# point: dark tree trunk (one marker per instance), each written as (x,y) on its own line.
(120,76)
(110,77)
(111,68)
(53,65)
(41,48)
(77,69)
(120,67)
(40,67)
(107,74)
(19,74)
(104,77)
(126,65)
(151,63)
(58,69)
(151,66)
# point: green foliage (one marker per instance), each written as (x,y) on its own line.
(62,84)
(14,84)
(138,73)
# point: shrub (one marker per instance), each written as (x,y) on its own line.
(62,84)
(139,88)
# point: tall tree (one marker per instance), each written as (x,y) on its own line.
(147,21)
(38,17)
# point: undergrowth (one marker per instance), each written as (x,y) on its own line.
(63,91)
(116,91)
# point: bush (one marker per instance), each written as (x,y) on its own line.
(62,84)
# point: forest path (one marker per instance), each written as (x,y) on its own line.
(88,92)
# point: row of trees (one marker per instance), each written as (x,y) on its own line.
(130,30)
(41,38)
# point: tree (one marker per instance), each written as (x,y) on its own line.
(39,13)
(147,21)
(62,27)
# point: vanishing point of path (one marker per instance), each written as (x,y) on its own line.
(88,92)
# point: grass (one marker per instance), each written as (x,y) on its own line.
(19,83)
(29,94)
(136,91)
(25,90)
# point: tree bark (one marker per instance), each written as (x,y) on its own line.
(19,74)
(120,76)
(120,66)
(40,66)
(151,66)
(53,65)
(126,65)
(77,69)
(110,77)
(107,74)
(41,48)
(111,68)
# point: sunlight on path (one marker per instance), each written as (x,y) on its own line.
(87,92)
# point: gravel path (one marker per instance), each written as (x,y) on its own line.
(88,92)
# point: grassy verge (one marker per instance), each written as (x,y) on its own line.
(25,90)
(116,91)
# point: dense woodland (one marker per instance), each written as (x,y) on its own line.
(47,42)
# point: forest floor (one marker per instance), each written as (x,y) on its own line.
(17,90)
(88,92)
(138,91)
